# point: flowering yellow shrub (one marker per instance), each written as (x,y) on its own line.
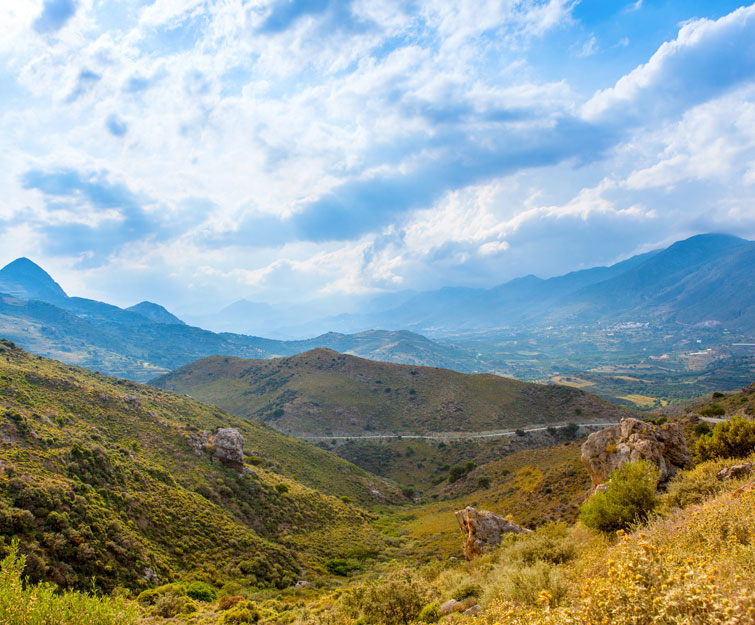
(696,567)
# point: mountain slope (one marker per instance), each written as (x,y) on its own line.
(711,271)
(664,286)
(25,279)
(155,312)
(99,476)
(324,392)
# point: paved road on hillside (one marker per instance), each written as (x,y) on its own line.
(444,435)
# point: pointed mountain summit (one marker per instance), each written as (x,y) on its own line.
(155,312)
(25,279)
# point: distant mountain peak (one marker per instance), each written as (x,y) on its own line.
(25,279)
(155,312)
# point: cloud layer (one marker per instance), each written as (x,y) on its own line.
(297,150)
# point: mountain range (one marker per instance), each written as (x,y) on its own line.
(706,279)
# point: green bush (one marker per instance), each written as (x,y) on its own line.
(734,438)
(151,595)
(341,566)
(171,605)
(714,410)
(393,600)
(240,614)
(549,543)
(702,428)
(44,604)
(467,590)
(201,592)
(430,613)
(629,498)
(525,584)
(483,481)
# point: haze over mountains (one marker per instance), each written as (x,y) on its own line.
(707,279)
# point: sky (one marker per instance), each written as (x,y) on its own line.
(322,152)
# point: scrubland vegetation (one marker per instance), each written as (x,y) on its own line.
(106,498)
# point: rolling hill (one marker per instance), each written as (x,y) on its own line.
(101,477)
(327,393)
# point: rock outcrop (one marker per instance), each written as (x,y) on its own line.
(229,447)
(735,472)
(483,530)
(663,445)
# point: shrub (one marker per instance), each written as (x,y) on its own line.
(456,473)
(240,614)
(694,486)
(734,438)
(549,543)
(201,592)
(527,584)
(702,428)
(714,410)
(43,604)
(408,492)
(151,595)
(394,600)
(629,498)
(467,590)
(281,488)
(520,432)
(341,566)
(430,613)
(483,481)
(171,605)
(571,430)
(225,603)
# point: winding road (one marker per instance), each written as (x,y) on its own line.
(443,436)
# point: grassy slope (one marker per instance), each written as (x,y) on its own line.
(531,487)
(323,392)
(97,477)
(728,405)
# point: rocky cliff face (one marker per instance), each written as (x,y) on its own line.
(632,440)
(483,530)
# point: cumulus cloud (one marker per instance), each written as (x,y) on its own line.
(310,148)
(707,58)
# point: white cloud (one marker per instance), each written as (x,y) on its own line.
(232,128)
(706,58)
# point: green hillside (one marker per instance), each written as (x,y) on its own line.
(99,478)
(327,393)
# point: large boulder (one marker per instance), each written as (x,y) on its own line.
(229,447)
(483,530)
(735,472)
(631,440)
